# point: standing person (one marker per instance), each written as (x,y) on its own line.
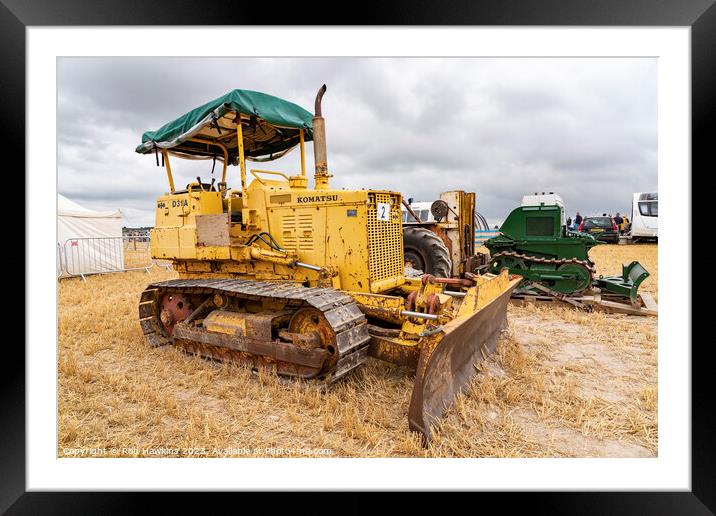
(577,221)
(619,221)
(569,222)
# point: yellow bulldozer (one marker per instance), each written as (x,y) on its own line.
(305,282)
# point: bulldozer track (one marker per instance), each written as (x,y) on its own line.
(588,265)
(339,309)
(529,258)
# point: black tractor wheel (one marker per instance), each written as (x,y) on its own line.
(424,250)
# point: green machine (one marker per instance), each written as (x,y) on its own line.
(535,243)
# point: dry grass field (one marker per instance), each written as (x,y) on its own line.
(562,384)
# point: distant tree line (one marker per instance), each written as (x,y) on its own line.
(143,231)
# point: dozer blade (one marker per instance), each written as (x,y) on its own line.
(627,284)
(447,363)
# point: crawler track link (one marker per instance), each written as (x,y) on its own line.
(340,311)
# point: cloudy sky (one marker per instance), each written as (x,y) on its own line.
(501,127)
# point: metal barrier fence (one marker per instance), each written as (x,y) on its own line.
(60,260)
(167,264)
(100,255)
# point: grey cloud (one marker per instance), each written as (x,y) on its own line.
(585,128)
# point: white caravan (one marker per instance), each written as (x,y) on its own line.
(645,215)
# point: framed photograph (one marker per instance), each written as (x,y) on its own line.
(416,256)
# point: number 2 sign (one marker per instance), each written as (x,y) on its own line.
(383,211)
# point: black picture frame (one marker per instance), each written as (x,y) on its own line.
(700,15)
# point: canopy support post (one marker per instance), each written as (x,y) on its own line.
(303,154)
(240,145)
(165,155)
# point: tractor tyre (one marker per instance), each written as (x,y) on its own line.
(426,252)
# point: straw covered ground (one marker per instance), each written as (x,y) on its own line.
(562,384)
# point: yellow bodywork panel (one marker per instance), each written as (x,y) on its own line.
(332,228)
(174,235)
(355,235)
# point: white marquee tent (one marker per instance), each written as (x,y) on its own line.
(82,245)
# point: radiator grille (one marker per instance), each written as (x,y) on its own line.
(385,238)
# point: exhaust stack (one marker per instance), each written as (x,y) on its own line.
(319,144)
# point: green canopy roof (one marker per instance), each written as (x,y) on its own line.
(270,128)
